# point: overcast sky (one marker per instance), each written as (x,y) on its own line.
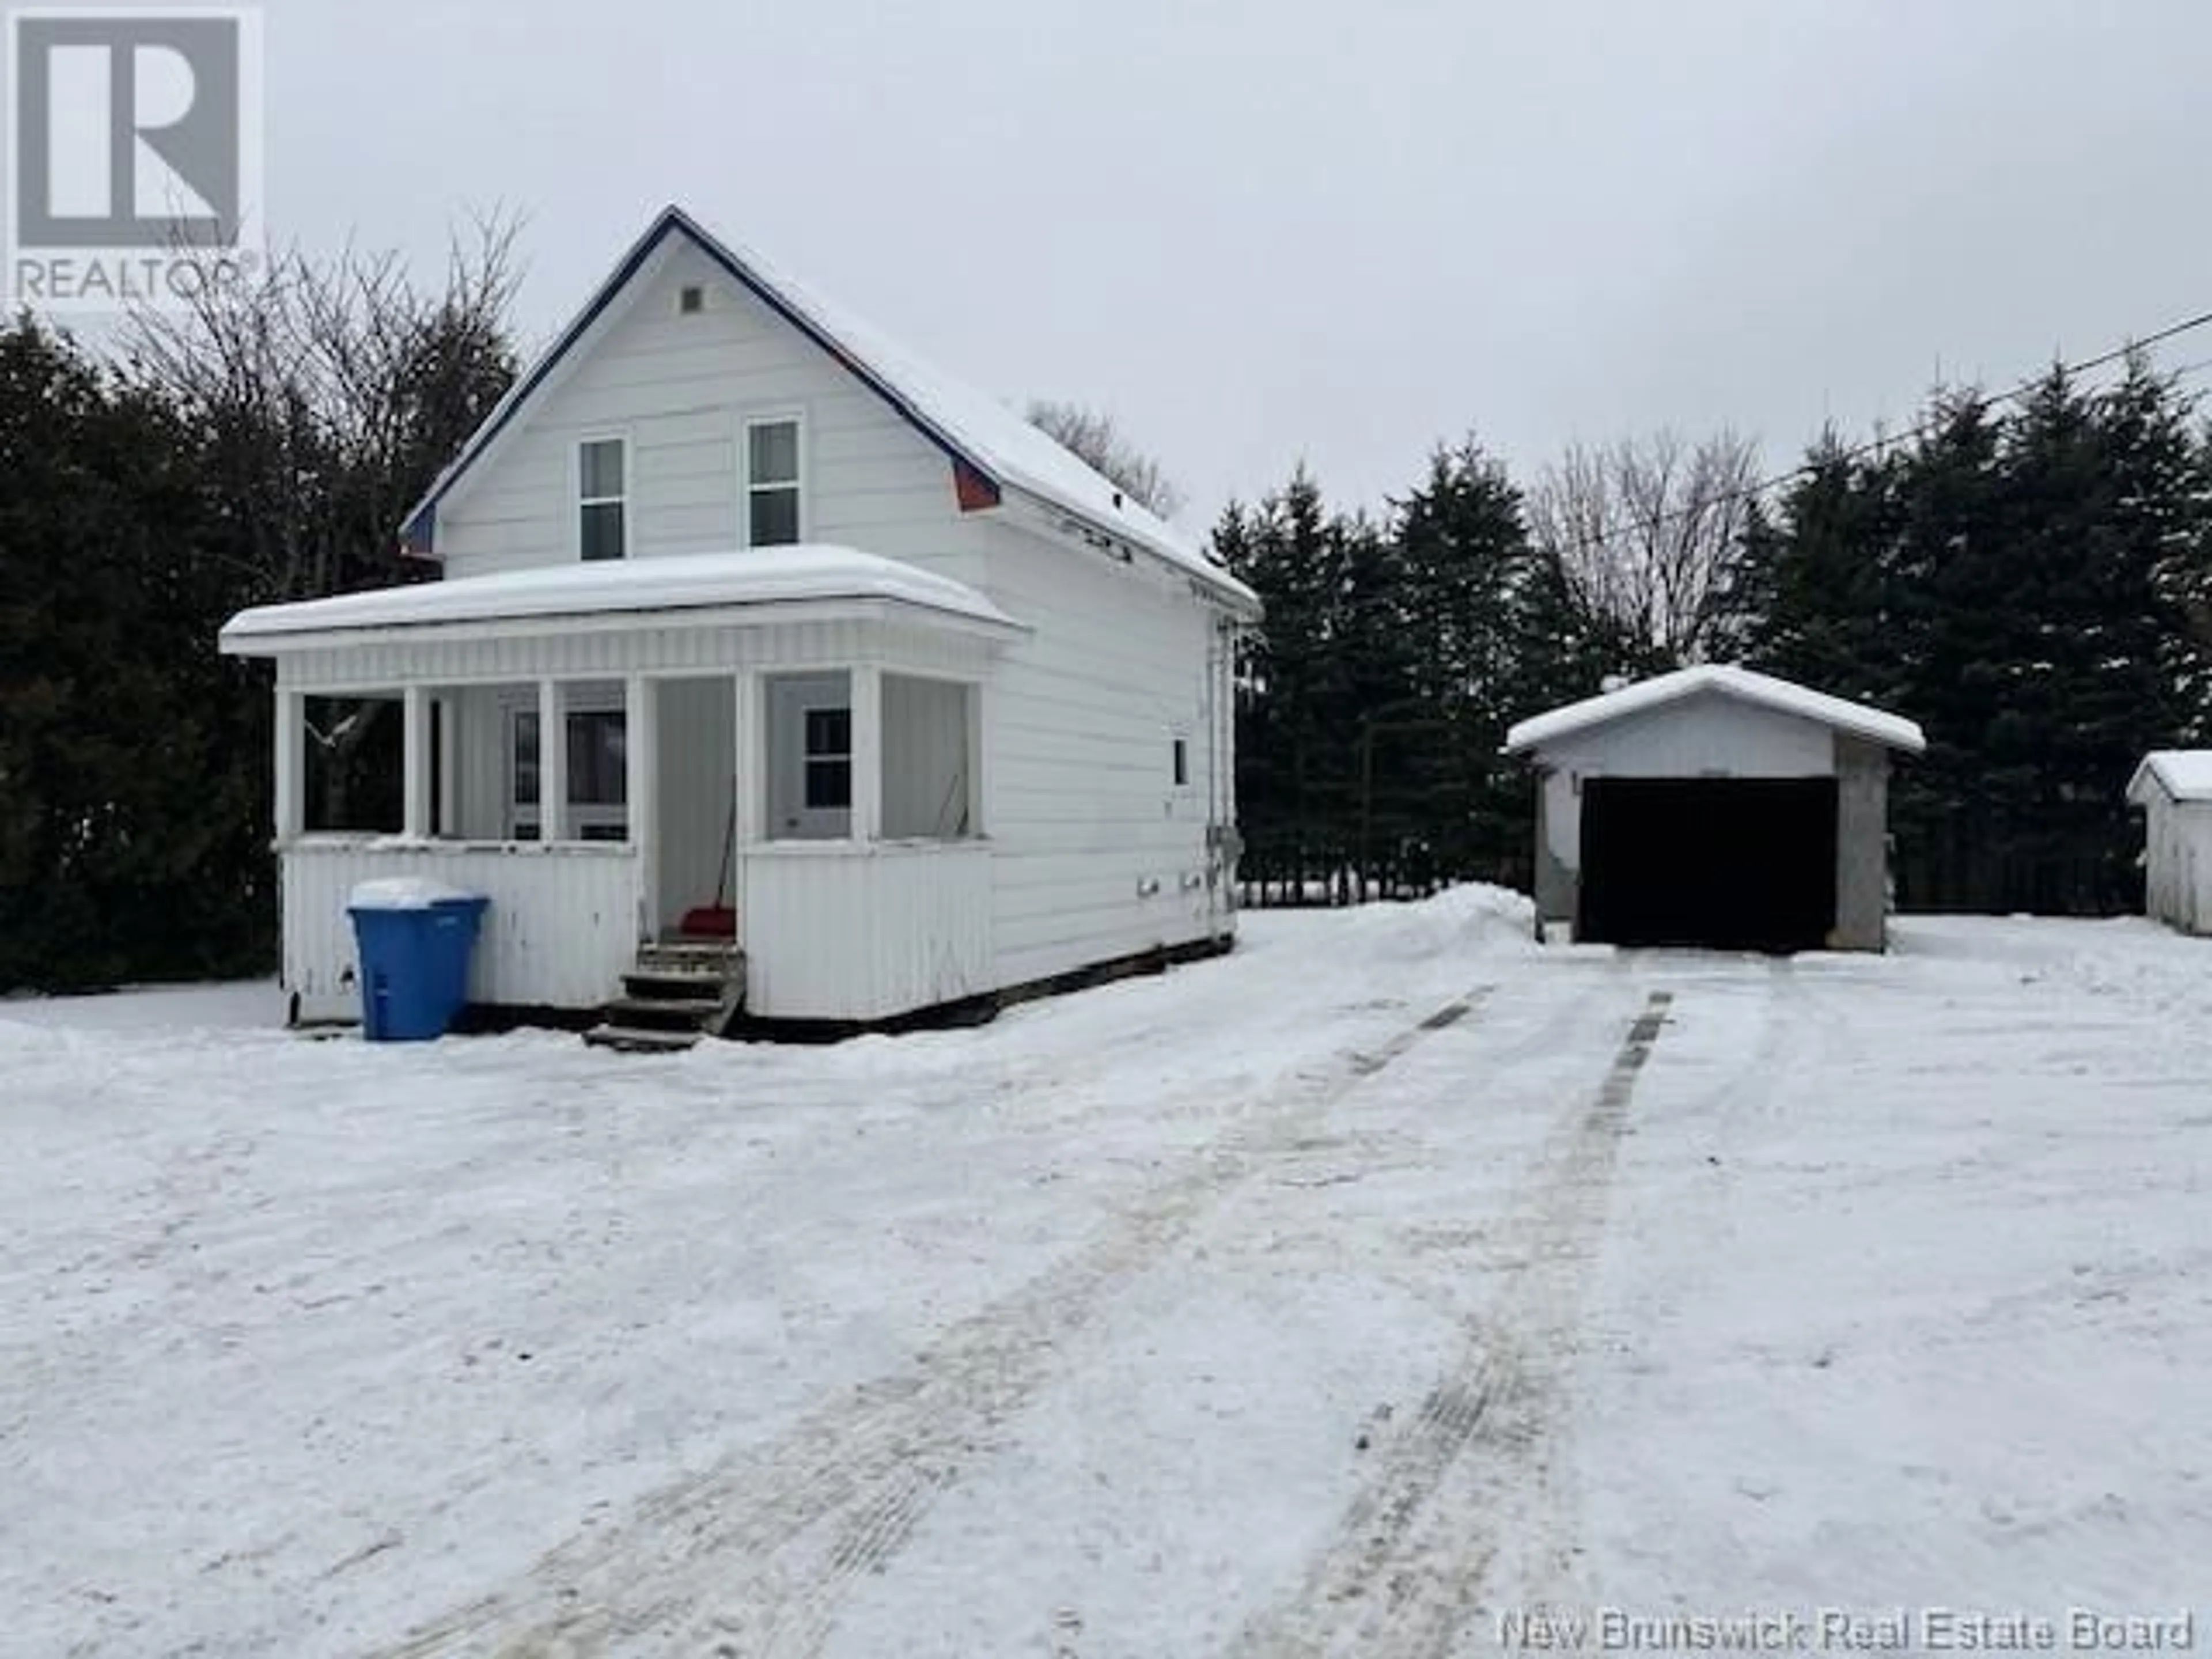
(1263,231)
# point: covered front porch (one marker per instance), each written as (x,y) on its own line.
(782,750)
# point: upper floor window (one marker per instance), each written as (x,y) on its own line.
(772,483)
(603,498)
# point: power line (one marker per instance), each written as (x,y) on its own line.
(1606,535)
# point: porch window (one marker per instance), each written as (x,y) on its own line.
(929,771)
(351,765)
(772,483)
(602,498)
(599,776)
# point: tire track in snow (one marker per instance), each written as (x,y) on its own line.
(751,1559)
(1403,1573)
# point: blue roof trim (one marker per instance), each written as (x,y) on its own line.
(419,534)
(419,538)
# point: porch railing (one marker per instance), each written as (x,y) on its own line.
(837,930)
(562,926)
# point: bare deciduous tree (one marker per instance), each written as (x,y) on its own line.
(1095,439)
(331,390)
(1647,533)
(327,392)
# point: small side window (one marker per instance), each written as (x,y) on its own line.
(1181,762)
(829,758)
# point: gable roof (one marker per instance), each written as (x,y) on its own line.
(1742,684)
(2186,774)
(991,446)
(717,582)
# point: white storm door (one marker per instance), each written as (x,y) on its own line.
(810,758)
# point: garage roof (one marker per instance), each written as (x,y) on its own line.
(1718,679)
(2183,774)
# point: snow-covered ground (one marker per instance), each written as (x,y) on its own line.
(1387,1279)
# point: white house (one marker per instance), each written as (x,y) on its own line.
(2174,788)
(836,644)
(1715,806)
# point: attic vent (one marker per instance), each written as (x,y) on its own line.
(691,300)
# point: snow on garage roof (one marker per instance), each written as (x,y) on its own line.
(2183,774)
(1718,680)
(975,429)
(692,581)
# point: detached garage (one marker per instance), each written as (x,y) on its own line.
(2174,788)
(1715,808)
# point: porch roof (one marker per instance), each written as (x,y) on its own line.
(765,582)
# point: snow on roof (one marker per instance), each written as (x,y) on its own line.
(683,582)
(986,432)
(2183,774)
(1721,680)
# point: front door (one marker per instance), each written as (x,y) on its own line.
(810,758)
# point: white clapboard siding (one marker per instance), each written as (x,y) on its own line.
(1098,849)
(833,930)
(562,924)
(2178,862)
(1090,850)
(680,389)
(383,661)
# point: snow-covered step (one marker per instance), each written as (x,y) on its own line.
(634,1040)
(659,1012)
(674,982)
(688,956)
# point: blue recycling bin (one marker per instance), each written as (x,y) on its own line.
(415,966)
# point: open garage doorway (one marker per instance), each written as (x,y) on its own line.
(1738,863)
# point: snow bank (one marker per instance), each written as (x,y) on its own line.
(1475,919)
(403,893)
(256,1006)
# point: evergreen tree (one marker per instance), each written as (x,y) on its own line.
(132,796)
(2023,587)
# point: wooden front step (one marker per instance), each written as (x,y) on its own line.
(681,990)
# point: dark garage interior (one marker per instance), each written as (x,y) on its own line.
(1738,863)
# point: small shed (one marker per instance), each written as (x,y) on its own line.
(2174,788)
(1715,808)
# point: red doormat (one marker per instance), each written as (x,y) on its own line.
(711,921)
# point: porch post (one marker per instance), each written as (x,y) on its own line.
(979,757)
(867,752)
(415,759)
(448,726)
(291,815)
(552,762)
(748,784)
(641,791)
(749,777)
